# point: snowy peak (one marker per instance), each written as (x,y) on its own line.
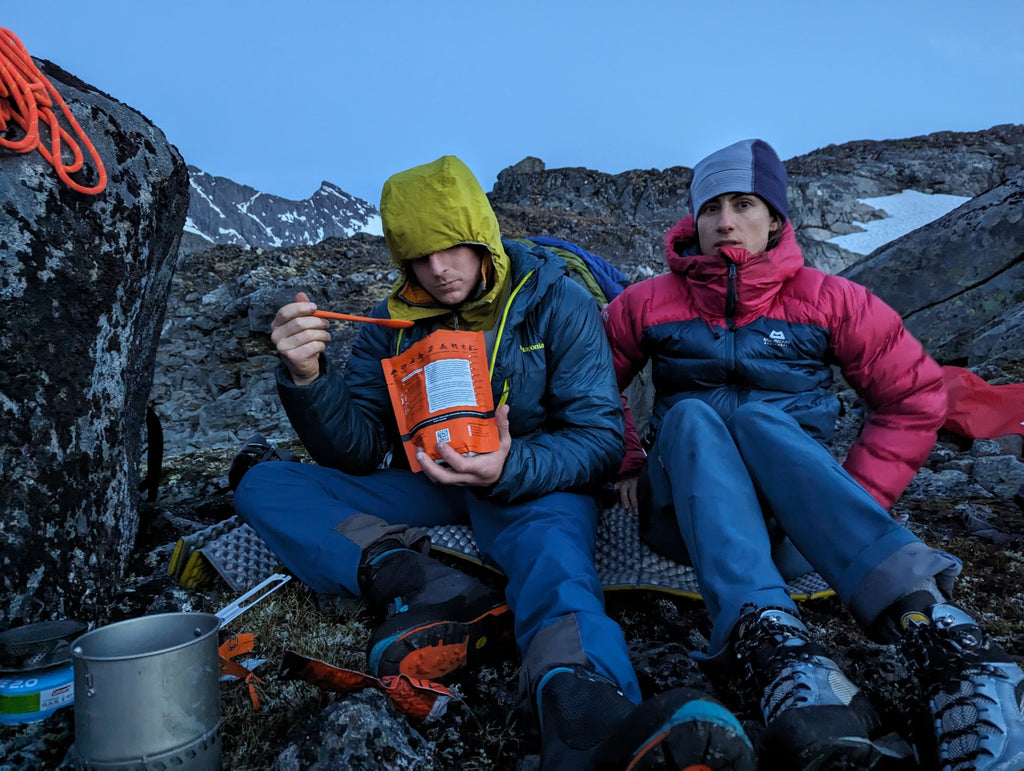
(223,211)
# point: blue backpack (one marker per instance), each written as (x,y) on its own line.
(605,280)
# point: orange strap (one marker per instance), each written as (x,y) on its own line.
(27,97)
(421,699)
(238,645)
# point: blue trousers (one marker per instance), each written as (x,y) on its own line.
(722,493)
(545,547)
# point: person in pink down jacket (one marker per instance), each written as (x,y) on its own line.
(732,475)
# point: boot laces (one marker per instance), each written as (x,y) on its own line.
(775,655)
(959,688)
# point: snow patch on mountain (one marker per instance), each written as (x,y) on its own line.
(225,212)
(905,212)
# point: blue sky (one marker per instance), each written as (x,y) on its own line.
(281,95)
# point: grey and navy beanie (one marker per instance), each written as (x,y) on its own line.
(750,166)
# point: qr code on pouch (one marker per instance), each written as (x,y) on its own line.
(443,436)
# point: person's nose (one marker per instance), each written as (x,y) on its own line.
(438,265)
(725,220)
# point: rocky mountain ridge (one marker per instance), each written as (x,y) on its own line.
(212,381)
(626,213)
(222,211)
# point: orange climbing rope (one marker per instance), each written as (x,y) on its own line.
(27,97)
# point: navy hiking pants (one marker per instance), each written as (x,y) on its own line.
(722,493)
(545,547)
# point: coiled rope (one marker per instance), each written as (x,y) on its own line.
(26,97)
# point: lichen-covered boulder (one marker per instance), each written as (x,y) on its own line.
(83,288)
(959,277)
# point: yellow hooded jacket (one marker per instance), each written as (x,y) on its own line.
(550,360)
(430,208)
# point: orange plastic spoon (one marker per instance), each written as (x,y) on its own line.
(393,323)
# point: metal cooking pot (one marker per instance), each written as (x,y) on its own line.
(147,693)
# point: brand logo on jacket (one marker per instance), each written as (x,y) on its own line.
(777,339)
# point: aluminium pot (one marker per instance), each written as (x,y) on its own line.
(147,690)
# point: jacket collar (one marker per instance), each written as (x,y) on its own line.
(757,280)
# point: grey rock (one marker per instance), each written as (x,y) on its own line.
(358,733)
(213,383)
(985,448)
(826,186)
(982,522)
(943,452)
(1012,444)
(624,216)
(1000,347)
(1002,475)
(528,165)
(84,282)
(963,465)
(943,485)
(959,277)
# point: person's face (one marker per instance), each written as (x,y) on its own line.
(737,220)
(451,275)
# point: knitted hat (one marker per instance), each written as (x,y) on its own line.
(750,166)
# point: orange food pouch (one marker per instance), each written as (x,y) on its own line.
(441,393)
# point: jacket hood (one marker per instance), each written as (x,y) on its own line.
(759,276)
(430,208)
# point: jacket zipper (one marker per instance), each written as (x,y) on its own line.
(497,340)
(730,330)
(730,298)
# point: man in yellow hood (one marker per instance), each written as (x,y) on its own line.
(351,523)
(435,208)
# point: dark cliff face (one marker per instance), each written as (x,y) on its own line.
(960,278)
(624,215)
(83,283)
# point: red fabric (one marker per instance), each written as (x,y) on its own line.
(421,699)
(635,457)
(879,358)
(982,411)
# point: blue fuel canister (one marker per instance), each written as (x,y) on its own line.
(28,697)
(36,674)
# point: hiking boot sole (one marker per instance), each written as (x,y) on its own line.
(701,735)
(416,644)
(813,738)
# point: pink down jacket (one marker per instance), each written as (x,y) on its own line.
(740,327)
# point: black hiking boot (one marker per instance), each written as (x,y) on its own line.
(975,691)
(815,717)
(586,723)
(439,622)
(255,450)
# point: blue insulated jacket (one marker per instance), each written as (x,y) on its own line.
(550,362)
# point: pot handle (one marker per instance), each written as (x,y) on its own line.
(259,592)
(79,654)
